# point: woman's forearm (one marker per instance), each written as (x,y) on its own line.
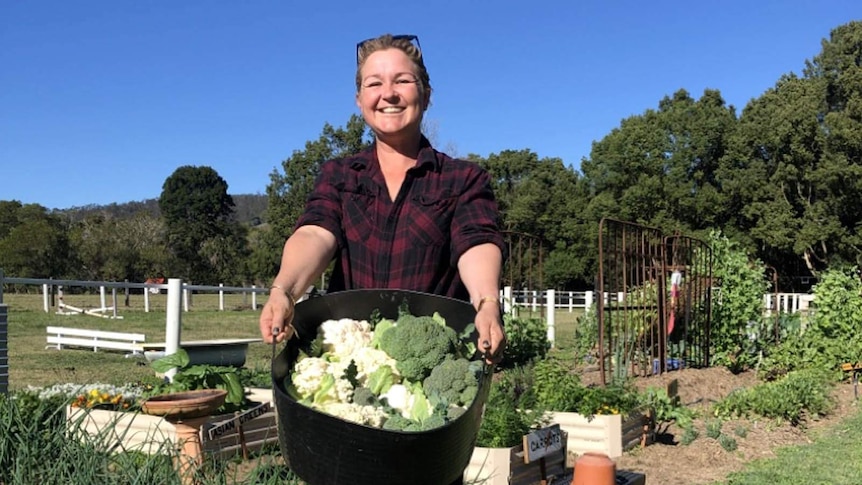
(307,253)
(480,268)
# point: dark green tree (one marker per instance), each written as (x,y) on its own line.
(33,242)
(201,233)
(659,168)
(540,203)
(288,190)
(793,174)
(116,248)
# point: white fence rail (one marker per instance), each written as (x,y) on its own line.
(571,300)
(524,298)
(49,285)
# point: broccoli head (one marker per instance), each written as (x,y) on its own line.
(400,423)
(454,381)
(364,396)
(418,344)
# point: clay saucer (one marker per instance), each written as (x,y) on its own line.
(185,405)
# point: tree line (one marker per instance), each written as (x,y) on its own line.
(783,179)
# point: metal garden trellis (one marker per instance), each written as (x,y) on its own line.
(634,307)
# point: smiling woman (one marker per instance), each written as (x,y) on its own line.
(400,215)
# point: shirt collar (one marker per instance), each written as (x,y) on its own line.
(428,157)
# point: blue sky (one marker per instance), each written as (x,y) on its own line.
(101,101)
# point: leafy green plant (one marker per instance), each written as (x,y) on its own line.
(728,443)
(741,431)
(736,315)
(505,421)
(199,376)
(689,435)
(795,397)
(527,340)
(587,336)
(666,410)
(713,428)
(558,388)
(838,302)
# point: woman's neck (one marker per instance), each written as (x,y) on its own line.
(402,152)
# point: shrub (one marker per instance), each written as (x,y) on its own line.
(505,421)
(736,316)
(713,428)
(689,435)
(527,340)
(795,397)
(728,443)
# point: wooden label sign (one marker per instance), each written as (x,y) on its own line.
(542,442)
(220,428)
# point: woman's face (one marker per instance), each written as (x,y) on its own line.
(390,96)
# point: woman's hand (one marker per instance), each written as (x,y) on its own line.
(276,316)
(492,337)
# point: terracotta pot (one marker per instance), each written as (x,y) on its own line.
(594,469)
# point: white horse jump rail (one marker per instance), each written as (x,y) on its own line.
(95,339)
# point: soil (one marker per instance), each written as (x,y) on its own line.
(704,461)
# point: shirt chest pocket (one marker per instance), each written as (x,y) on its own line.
(360,212)
(431,218)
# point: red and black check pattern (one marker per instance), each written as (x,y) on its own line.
(445,207)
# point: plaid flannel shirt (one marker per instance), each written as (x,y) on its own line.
(445,207)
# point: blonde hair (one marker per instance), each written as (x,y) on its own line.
(388,41)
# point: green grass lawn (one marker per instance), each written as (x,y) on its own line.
(833,459)
(31,364)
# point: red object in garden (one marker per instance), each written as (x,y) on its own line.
(594,469)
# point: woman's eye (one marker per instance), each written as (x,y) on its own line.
(405,81)
(373,84)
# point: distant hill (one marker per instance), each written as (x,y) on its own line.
(249,208)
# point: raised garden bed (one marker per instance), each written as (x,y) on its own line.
(505,466)
(611,434)
(222,436)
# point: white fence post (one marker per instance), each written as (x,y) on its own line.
(508,307)
(588,300)
(551,309)
(46,298)
(146,300)
(221,297)
(173,322)
(253,297)
(102,303)
(113,301)
(185,299)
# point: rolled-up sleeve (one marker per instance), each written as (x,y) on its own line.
(477,218)
(323,207)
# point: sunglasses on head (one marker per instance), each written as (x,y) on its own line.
(412,38)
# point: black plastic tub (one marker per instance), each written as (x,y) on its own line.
(326,450)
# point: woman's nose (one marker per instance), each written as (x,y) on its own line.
(390,92)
